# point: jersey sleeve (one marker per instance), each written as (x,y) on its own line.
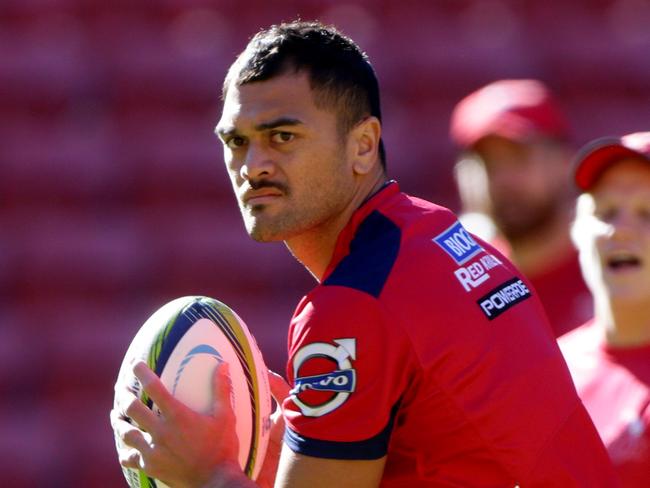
(348,365)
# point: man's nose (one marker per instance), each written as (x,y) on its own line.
(257,163)
(623,226)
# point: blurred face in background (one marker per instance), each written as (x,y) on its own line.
(612,232)
(526,187)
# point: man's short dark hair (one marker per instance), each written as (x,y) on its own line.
(340,74)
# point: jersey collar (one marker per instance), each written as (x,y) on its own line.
(372,203)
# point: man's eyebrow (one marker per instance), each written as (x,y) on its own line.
(279,122)
(225,131)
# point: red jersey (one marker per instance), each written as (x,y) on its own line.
(614,384)
(425,345)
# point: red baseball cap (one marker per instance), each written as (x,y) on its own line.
(594,158)
(519,110)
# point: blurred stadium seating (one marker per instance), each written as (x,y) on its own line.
(113,199)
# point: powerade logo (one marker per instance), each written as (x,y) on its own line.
(458,243)
(503,297)
(336,381)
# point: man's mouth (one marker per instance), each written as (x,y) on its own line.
(261,197)
(263,192)
(623,260)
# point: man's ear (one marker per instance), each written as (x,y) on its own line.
(364,145)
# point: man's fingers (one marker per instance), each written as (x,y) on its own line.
(131,459)
(279,387)
(279,391)
(129,434)
(222,387)
(143,416)
(155,389)
(135,438)
(130,406)
(133,445)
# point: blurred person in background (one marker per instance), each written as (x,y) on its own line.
(511,176)
(609,356)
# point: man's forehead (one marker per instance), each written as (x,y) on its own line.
(627,168)
(282,88)
(239,114)
(624,173)
(288,96)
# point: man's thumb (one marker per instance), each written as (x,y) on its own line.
(279,387)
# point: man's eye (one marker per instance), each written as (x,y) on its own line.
(607,214)
(282,137)
(235,142)
(644,214)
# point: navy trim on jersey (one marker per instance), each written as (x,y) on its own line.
(373,252)
(374,448)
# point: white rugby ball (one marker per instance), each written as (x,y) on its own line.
(183,342)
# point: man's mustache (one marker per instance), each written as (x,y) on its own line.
(259,184)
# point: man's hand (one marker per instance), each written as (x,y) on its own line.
(180,447)
(279,391)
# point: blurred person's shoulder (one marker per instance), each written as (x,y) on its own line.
(582,349)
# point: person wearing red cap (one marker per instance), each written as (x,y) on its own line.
(609,356)
(514,162)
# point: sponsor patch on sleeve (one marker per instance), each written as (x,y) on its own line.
(503,297)
(476,273)
(458,243)
(324,376)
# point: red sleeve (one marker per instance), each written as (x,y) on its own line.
(348,367)
(571,461)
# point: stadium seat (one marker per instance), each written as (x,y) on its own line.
(78,255)
(61,162)
(173,158)
(201,249)
(33,446)
(44,63)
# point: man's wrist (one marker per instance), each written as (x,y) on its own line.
(229,475)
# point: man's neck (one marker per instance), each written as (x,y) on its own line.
(625,325)
(315,247)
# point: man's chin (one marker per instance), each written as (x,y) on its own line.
(524,226)
(518,221)
(263,234)
(264,238)
(516,232)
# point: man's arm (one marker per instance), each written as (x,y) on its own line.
(297,471)
(187,449)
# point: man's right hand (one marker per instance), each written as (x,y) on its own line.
(180,447)
(184,448)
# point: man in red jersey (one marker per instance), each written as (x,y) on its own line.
(609,357)
(421,358)
(514,169)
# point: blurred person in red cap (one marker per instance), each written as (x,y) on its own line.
(609,356)
(511,178)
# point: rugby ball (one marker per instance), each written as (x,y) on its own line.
(183,342)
